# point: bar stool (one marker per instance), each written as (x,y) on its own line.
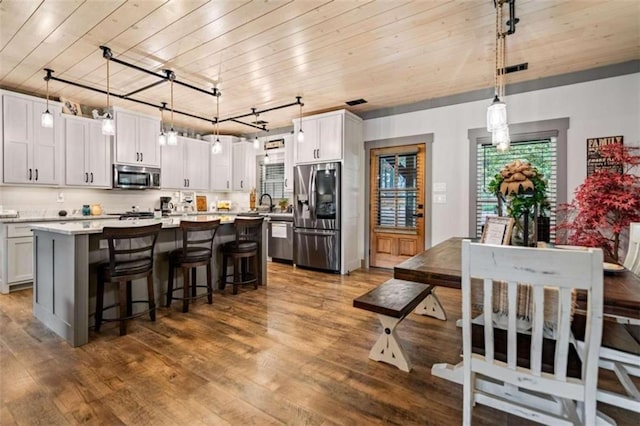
(197,249)
(130,258)
(244,250)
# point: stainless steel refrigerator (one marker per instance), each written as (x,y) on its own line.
(316,216)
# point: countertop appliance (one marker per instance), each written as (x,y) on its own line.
(135,177)
(136,215)
(316,216)
(166,206)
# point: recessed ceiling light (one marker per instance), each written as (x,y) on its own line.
(356,102)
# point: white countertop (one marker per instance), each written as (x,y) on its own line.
(95,226)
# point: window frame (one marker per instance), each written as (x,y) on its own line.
(520,132)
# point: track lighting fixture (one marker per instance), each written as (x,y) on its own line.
(108,126)
(46,120)
(300,131)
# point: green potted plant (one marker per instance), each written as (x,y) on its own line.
(283,203)
(521,189)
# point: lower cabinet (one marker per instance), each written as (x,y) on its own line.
(16,264)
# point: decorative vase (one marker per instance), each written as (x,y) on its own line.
(524,231)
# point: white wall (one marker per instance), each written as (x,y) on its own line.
(607,107)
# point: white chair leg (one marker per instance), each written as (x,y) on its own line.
(431,307)
(387,348)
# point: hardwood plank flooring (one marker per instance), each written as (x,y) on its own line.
(295,352)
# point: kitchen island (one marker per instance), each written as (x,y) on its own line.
(65,259)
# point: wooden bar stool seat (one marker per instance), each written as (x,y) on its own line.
(244,251)
(196,250)
(130,258)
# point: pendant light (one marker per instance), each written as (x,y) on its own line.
(497,111)
(256,141)
(172,135)
(46,119)
(162,138)
(501,139)
(108,127)
(216,148)
(300,132)
(266,160)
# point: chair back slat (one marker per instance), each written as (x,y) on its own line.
(248,229)
(198,234)
(130,243)
(632,259)
(531,276)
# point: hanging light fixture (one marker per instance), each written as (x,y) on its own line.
(500,139)
(46,119)
(256,141)
(172,135)
(162,138)
(300,132)
(497,111)
(108,127)
(216,148)
(266,153)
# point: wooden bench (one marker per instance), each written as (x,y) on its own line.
(392,301)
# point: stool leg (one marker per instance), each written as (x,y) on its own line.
(129,299)
(237,262)
(152,297)
(170,289)
(193,282)
(254,261)
(123,302)
(209,284)
(223,277)
(185,289)
(99,303)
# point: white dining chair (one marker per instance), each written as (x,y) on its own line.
(527,386)
(632,259)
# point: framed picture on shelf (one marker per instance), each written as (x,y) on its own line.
(70,107)
(497,230)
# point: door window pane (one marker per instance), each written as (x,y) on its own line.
(396,198)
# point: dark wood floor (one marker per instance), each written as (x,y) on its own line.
(295,352)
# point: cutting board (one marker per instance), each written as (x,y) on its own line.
(201,203)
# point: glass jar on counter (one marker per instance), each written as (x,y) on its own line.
(86,210)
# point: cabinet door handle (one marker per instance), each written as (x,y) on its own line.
(86,177)
(91,177)
(241,183)
(227,184)
(285,183)
(188,183)
(30,174)
(36,174)
(142,156)
(137,156)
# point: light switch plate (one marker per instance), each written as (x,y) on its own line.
(440,198)
(439,187)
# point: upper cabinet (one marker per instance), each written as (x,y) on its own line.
(31,152)
(323,138)
(243,166)
(87,153)
(289,163)
(137,139)
(186,165)
(220,173)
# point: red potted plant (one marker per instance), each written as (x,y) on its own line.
(605,203)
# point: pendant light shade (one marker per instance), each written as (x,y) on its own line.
(256,143)
(496,115)
(108,126)
(300,131)
(266,158)
(172,135)
(46,120)
(216,148)
(500,138)
(162,137)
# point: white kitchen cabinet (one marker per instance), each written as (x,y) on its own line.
(31,152)
(220,173)
(323,138)
(186,165)
(87,153)
(243,166)
(137,139)
(16,259)
(289,163)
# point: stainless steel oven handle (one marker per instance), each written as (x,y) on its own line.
(317,232)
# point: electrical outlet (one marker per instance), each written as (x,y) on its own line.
(60,197)
(440,198)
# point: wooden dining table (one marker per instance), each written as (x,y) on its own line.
(441,265)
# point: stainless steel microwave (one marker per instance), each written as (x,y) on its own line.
(135,177)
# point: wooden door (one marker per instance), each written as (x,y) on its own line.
(397,220)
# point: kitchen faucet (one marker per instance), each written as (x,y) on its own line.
(270,201)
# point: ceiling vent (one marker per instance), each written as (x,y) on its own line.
(260,122)
(516,68)
(356,102)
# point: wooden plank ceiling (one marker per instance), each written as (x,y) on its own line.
(263,53)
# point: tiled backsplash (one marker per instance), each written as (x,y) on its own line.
(37,201)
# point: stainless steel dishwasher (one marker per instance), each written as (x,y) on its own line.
(281,237)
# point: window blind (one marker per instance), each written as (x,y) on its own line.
(397,191)
(271,180)
(541,153)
